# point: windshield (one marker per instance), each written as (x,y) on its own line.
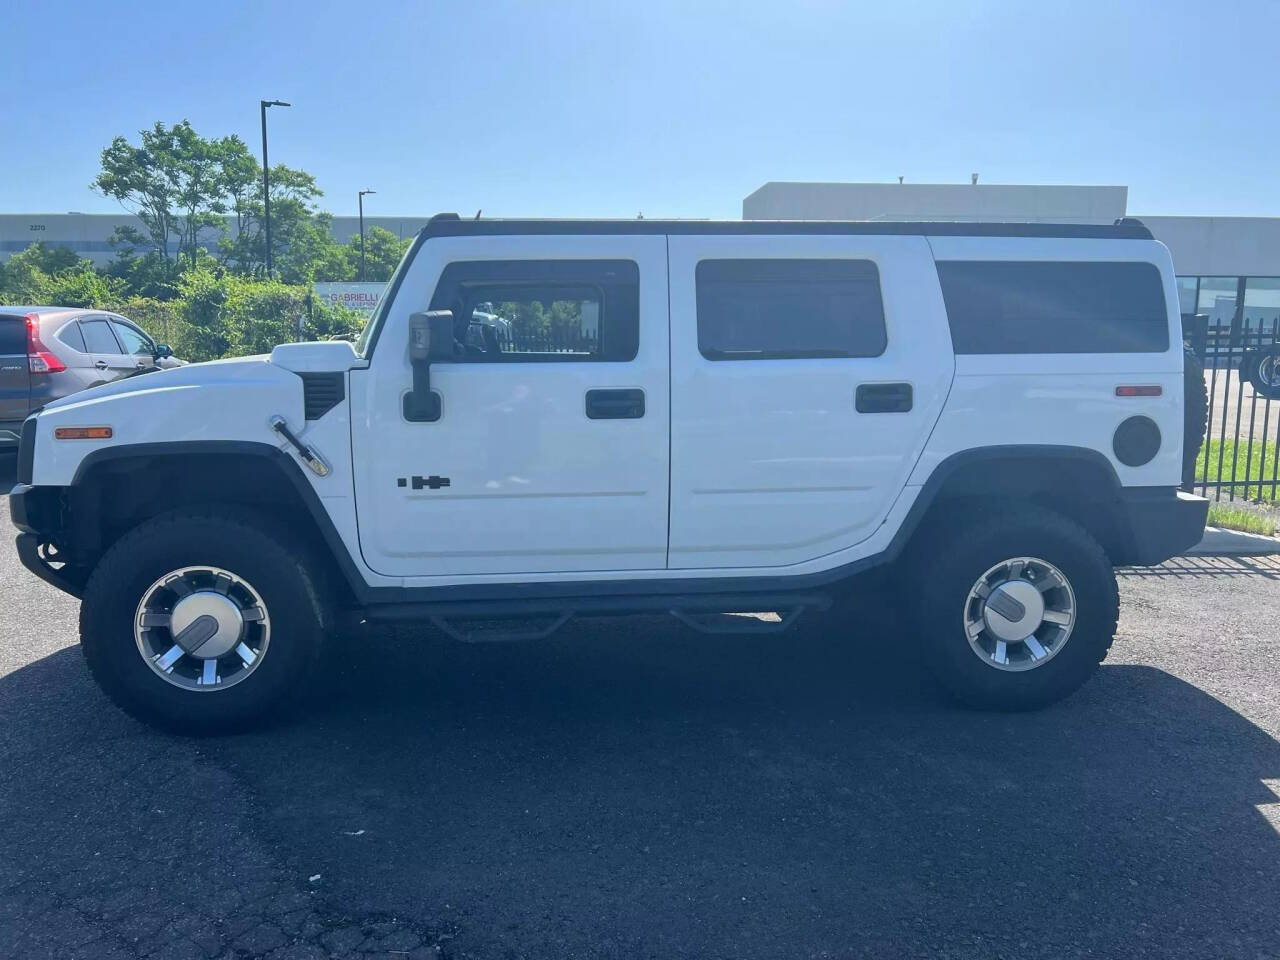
(370,332)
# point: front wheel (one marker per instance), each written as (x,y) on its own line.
(1017,605)
(202,621)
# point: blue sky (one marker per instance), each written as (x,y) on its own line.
(664,107)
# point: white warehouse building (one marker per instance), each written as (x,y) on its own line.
(1225,265)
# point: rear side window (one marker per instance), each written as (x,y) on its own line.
(98,337)
(71,336)
(542,311)
(789,309)
(1046,307)
(13,336)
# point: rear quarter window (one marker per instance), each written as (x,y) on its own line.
(13,336)
(1051,307)
(71,336)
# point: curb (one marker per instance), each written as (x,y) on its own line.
(1220,542)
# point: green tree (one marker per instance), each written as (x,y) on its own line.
(82,286)
(300,232)
(48,259)
(150,275)
(175,182)
(22,281)
(382,252)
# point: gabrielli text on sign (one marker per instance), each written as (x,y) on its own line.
(354,296)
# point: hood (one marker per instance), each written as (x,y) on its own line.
(244,369)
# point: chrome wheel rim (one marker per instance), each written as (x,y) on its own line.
(1269,371)
(202,628)
(1019,614)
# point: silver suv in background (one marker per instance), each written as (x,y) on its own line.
(50,352)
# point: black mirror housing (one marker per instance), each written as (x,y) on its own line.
(430,336)
(430,339)
(163,351)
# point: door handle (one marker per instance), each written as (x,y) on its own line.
(883,398)
(100,364)
(615,404)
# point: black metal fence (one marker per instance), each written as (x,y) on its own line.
(572,342)
(1240,456)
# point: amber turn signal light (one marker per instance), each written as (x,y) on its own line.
(82,433)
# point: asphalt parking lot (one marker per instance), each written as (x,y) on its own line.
(632,789)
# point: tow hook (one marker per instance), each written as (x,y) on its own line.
(307,453)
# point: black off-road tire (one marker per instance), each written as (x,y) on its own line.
(949,559)
(1195,413)
(256,549)
(1265,360)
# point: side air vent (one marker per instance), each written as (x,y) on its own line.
(321,392)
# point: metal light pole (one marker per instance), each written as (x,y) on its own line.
(266,182)
(361,201)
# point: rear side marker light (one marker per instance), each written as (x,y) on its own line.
(1149,390)
(39,359)
(82,433)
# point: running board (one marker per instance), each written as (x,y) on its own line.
(478,621)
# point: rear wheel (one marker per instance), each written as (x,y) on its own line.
(202,621)
(1017,606)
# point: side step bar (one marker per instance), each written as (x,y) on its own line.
(481,621)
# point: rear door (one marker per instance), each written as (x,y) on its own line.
(104,350)
(15,373)
(806,376)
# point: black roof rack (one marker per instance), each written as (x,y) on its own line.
(451,225)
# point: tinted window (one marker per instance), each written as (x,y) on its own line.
(134,341)
(97,337)
(71,336)
(1040,307)
(542,310)
(778,309)
(13,336)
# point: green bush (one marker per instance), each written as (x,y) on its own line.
(212,314)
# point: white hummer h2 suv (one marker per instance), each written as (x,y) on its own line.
(687,417)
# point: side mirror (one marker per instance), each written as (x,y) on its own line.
(430,339)
(163,351)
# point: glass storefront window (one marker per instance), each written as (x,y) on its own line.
(1218,300)
(1187,294)
(1261,302)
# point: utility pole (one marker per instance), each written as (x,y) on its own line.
(361,201)
(266,180)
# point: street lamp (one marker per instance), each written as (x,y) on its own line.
(266,182)
(361,201)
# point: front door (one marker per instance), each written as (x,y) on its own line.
(139,350)
(550,454)
(806,375)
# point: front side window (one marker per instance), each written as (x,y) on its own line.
(1217,299)
(98,337)
(999,306)
(134,341)
(542,310)
(789,309)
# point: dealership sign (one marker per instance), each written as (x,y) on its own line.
(354,296)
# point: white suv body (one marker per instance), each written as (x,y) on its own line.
(702,418)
